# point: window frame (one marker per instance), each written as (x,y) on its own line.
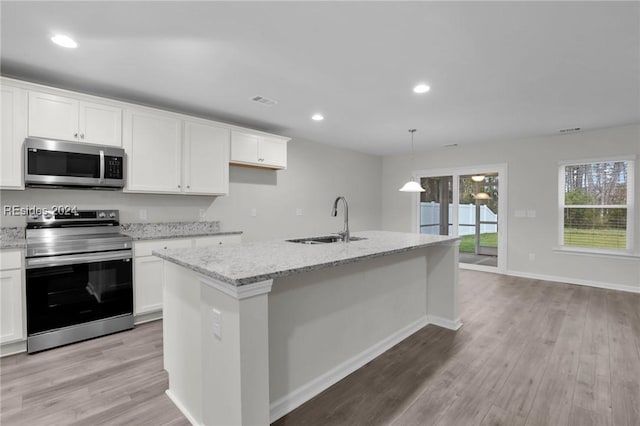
(630,206)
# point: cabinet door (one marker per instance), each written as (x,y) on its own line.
(148,284)
(12,134)
(100,124)
(153,146)
(11,327)
(53,116)
(244,147)
(206,159)
(273,152)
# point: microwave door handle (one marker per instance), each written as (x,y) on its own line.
(101,166)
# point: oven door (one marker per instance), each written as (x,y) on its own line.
(67,290)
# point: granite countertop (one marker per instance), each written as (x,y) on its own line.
(14,237)
(258,261)
(167,230)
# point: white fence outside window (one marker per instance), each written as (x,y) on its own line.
(430,214)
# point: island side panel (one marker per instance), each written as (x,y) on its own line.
(325,324)
(236,364)
(442,289)
(182,342)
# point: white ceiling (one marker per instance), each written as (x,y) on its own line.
(497,70)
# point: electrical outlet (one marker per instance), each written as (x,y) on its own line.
(203,215)
(216,323)
(143,214)
(298,212)
(254,212)
(531,213)
(521,213)
(532,257)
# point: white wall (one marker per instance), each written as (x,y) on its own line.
(532,185)
(316,174)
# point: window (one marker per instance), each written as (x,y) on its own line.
(596,205)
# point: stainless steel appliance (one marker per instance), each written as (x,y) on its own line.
(60,164)
(79,281)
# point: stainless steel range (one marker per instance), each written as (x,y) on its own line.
(79,281)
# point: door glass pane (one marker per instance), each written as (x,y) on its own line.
(435,205)
(478,219)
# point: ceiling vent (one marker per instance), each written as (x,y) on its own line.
(569,130)
(264,101)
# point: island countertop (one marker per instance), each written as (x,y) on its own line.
(259,261)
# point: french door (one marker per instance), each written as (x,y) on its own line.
(469,203)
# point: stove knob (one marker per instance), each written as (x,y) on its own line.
(112,215)
(102,215)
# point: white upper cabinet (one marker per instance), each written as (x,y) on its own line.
(59,117)
(153,144)
(258,150)
(273,152)
(100,124)
(205,167)
(13,131)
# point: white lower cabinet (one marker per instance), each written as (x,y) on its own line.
(148,280)
(11,297)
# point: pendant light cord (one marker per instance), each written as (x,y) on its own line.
(412,131)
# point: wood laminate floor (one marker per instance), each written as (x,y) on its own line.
(530,353)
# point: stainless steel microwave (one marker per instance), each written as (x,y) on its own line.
(60,164)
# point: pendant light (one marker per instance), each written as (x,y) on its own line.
(412,185)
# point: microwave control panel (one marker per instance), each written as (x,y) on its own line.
(113,168)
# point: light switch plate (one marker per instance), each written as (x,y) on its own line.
(254,212)
(143,214)
(298,212)
(216,323)
(521,213)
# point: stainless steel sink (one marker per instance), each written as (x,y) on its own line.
(324,239)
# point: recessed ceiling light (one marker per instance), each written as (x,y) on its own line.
(317,117)
(64,41)
(421,88)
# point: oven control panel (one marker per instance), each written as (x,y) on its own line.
(57,218)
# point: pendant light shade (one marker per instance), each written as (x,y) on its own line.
(412,185)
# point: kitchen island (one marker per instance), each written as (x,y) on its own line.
(254,330)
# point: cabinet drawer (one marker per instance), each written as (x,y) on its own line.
(144,248)
(10,259)
(217,240)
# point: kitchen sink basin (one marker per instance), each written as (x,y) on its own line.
(323,240)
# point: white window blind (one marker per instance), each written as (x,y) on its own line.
(596,202)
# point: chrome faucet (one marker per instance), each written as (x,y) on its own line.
(334,212)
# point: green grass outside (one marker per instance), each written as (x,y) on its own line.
(596,238)
(468,242)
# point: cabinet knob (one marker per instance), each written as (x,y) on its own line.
(178,186)
(188,186)
(75,135)
(220,243)
(81,135)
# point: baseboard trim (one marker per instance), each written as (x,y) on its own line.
(13,348)
(304,393)
(577,281)
(182,408)
(445,323)
(147,317)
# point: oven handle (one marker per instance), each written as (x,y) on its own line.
(102,167)
(45,262)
